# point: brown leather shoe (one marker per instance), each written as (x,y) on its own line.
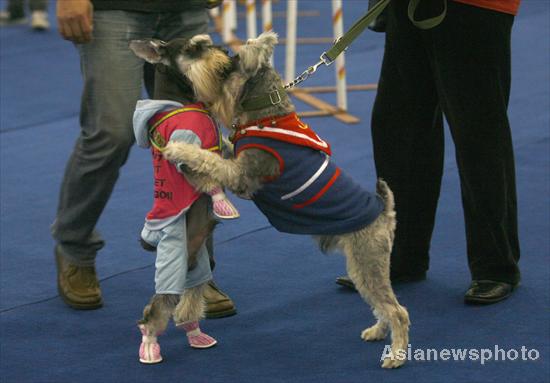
(77,285)
(218,304)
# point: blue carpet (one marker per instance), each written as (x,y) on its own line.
(293,324)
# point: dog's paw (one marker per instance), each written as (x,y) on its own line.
(394,359)
(376,332)
(392,363)
(180,152)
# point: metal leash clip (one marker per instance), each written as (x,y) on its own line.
(309,71)
(323,59)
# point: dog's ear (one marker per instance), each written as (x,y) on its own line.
(268,39)
(151,50)
(257,52)
(199,42)
(191,50)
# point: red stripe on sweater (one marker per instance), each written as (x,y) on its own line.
(321,192)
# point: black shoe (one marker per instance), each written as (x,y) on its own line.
(484,292)
(395,278)
(345,281)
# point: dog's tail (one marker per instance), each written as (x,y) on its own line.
(384,191)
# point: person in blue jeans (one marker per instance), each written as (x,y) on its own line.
(15,14)
(112,77)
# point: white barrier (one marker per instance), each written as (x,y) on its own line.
(291,21)
(339,65)
(229,17)
(267,16)
(267,20)
(251,19)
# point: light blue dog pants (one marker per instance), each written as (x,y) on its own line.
(172,276)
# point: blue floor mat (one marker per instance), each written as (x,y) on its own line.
(293,324)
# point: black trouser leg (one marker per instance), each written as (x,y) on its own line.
(16,8)
(407,131)
(471,56)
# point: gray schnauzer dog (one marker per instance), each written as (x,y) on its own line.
(285,168)
(188,307)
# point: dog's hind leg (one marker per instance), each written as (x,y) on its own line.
(155,318)
(368,254)
(200,225)
(190,307)
(189,311)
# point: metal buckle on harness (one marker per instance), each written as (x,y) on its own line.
(277,99)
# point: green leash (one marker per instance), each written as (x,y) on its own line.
(356,29)
(427,23)
(328,57)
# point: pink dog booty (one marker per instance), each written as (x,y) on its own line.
(196,338)
(149,350)
(222,207)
